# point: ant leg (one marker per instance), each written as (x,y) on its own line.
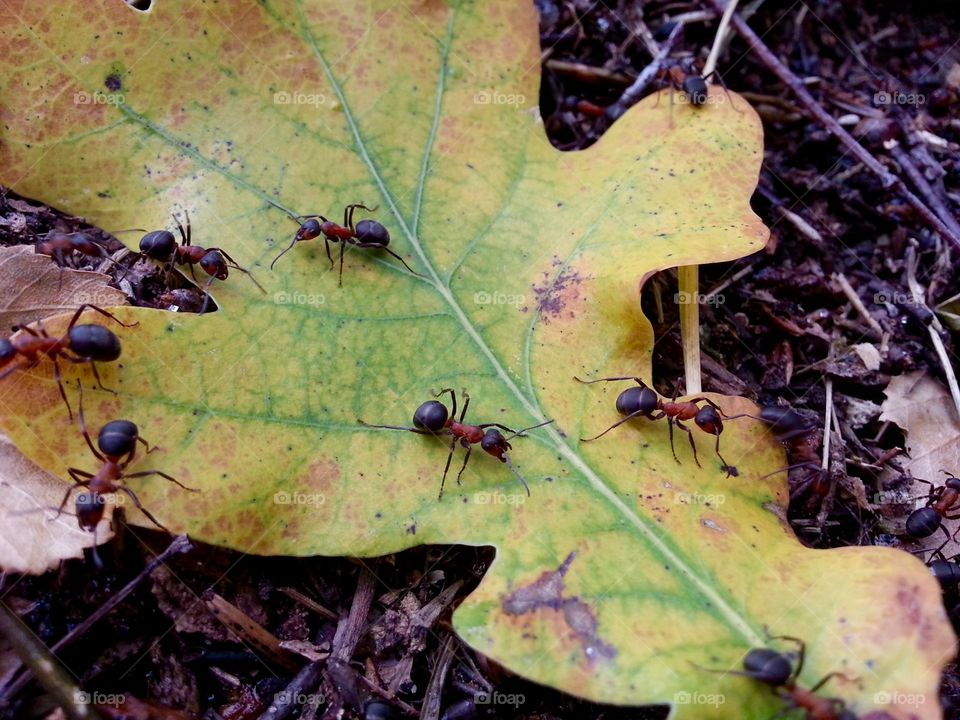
(343,246)
(390,252)
(618,423)
(206,292)
(26,329)
(11,370)
(674,449)
(172,479)
(466,404)
(233,264)
(96,374)
(693,444)
(63,393)
(640,382)
(466,457)
(726,466)
(519,433)
(83,426)
(141,508)
(79,483)
(418,431)
(90,306)
(826,678)
(453,399)
(446,468)
(326,245)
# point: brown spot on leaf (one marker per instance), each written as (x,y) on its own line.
(547,592)
(558,297)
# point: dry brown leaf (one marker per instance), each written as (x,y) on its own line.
(922,407)
(33,287)
(30,541)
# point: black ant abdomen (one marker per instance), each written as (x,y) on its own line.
(118,438)
(431,416)
(94,342)
(158,245)
(370,231)
(768,666)
(923,522)
(946,573)
(636,400)
(7,351)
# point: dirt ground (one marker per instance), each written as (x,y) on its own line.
(886,71)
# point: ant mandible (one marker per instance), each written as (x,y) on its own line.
(88,343)
(118,448)
(216,262)
(644,402)
(432,418)
(775,669)
(365,234)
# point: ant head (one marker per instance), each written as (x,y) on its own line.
(7,351)
(952,482)
(213,264)
(310,229)
(782,419)
(370,231)
(708,420)
(768,666)
(117,438)
(923,522)
(94,342)
(158,244)
(495,443)
(636,400)
(431,416)
(89,507)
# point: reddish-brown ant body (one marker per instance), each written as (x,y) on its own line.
(775,669)
(433,418)
(642,401)
(79,344)
(925,521)
(216,262)
(365,234)
(683,77)
(117,443)
(60,245)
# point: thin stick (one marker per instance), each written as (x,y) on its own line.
(720,38)
(888,179)
(688,277)
(633,93)
(854,299)
(934,328)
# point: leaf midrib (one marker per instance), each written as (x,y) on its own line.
(567,451)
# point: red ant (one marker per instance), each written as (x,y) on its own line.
(365,234)
(924,522)
(643,402)
(776,670)
(118,448)
(691,84)
(162,245)
(58,245)
(432,418)
(88,343)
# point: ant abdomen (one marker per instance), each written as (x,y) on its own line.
(94,342)
(768,666)
(782,419)
(946,573)
(117,438)
(431,416)
(7,351)
(158,245)
(636,400)
(370,231)
(923,522)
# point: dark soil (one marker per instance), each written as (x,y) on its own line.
(779,327)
